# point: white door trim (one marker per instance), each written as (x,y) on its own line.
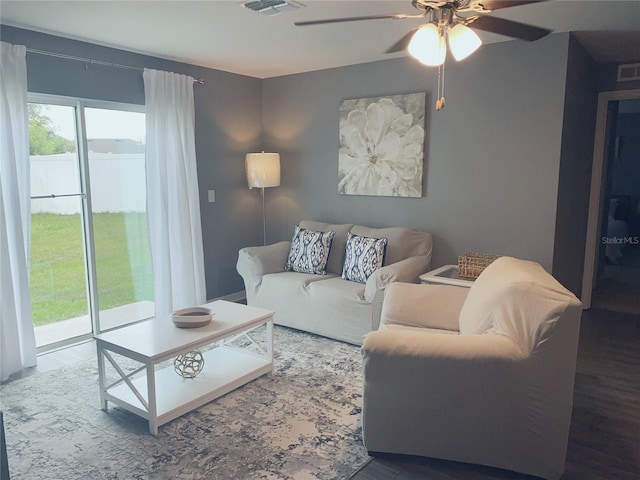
(596,188)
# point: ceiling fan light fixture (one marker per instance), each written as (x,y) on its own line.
(428,46)
(463,41)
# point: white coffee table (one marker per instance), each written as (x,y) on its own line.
(161,395)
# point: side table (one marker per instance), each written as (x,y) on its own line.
(446,275)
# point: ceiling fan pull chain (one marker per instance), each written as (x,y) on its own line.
(440,93)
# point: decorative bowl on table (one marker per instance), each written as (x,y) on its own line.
(191,317)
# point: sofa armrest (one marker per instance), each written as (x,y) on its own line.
(415,349)
(255,262)
(259,261)
(457,374)
(470,398)
(407,270)
(453,387)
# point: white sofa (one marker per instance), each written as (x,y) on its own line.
(482,375)
(326,304)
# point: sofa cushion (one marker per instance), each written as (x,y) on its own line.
(401,242)
(423,306)
(322,304)
(309,251)
(363,256)
(336,254)
(516,298)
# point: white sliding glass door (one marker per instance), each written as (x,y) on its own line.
(57,278)
(90,261)
(115,144)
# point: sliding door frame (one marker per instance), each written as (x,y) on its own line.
(86,216)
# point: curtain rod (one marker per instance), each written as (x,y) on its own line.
(93,62)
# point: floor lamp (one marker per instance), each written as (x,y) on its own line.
(263,170)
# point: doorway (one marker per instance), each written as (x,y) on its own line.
(613,258)
(90,264)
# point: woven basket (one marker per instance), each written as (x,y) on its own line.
(471,265)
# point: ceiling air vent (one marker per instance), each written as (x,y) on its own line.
(629,72)
(271,7)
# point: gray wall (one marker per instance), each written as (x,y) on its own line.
(492,155)
(499,171)
(575,168)
(228,125)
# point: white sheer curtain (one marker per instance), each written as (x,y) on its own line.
(173,205)
(17,337)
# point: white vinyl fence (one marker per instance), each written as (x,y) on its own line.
(117,183)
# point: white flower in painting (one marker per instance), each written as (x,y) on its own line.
(380,151)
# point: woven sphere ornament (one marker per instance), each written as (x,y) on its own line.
(189,365)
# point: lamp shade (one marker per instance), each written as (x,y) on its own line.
(263,169)
(463,41)
(428,46)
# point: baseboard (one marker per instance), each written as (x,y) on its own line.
(361,467)
(237,297)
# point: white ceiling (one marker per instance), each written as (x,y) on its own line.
(223,35)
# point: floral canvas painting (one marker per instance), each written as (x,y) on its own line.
(382,146)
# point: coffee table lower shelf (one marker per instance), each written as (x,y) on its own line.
(225,370)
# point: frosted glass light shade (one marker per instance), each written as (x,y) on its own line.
(463,41)
(428,46)
(263,169)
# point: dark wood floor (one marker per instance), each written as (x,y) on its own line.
(604,441)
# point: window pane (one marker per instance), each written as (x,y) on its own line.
(58,281)
(115,140)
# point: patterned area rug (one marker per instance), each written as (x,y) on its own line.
(302,422)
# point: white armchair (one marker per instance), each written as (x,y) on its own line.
(483,375)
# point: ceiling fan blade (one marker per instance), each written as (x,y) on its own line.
(394,16)
(345,19)
(402,44)
(490,5)
(509,28)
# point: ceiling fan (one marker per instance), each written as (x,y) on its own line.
(451,22)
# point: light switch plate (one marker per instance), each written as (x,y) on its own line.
(212,196)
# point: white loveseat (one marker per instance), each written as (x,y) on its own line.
(326,304)
(482,375)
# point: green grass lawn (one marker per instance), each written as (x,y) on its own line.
(57,279)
